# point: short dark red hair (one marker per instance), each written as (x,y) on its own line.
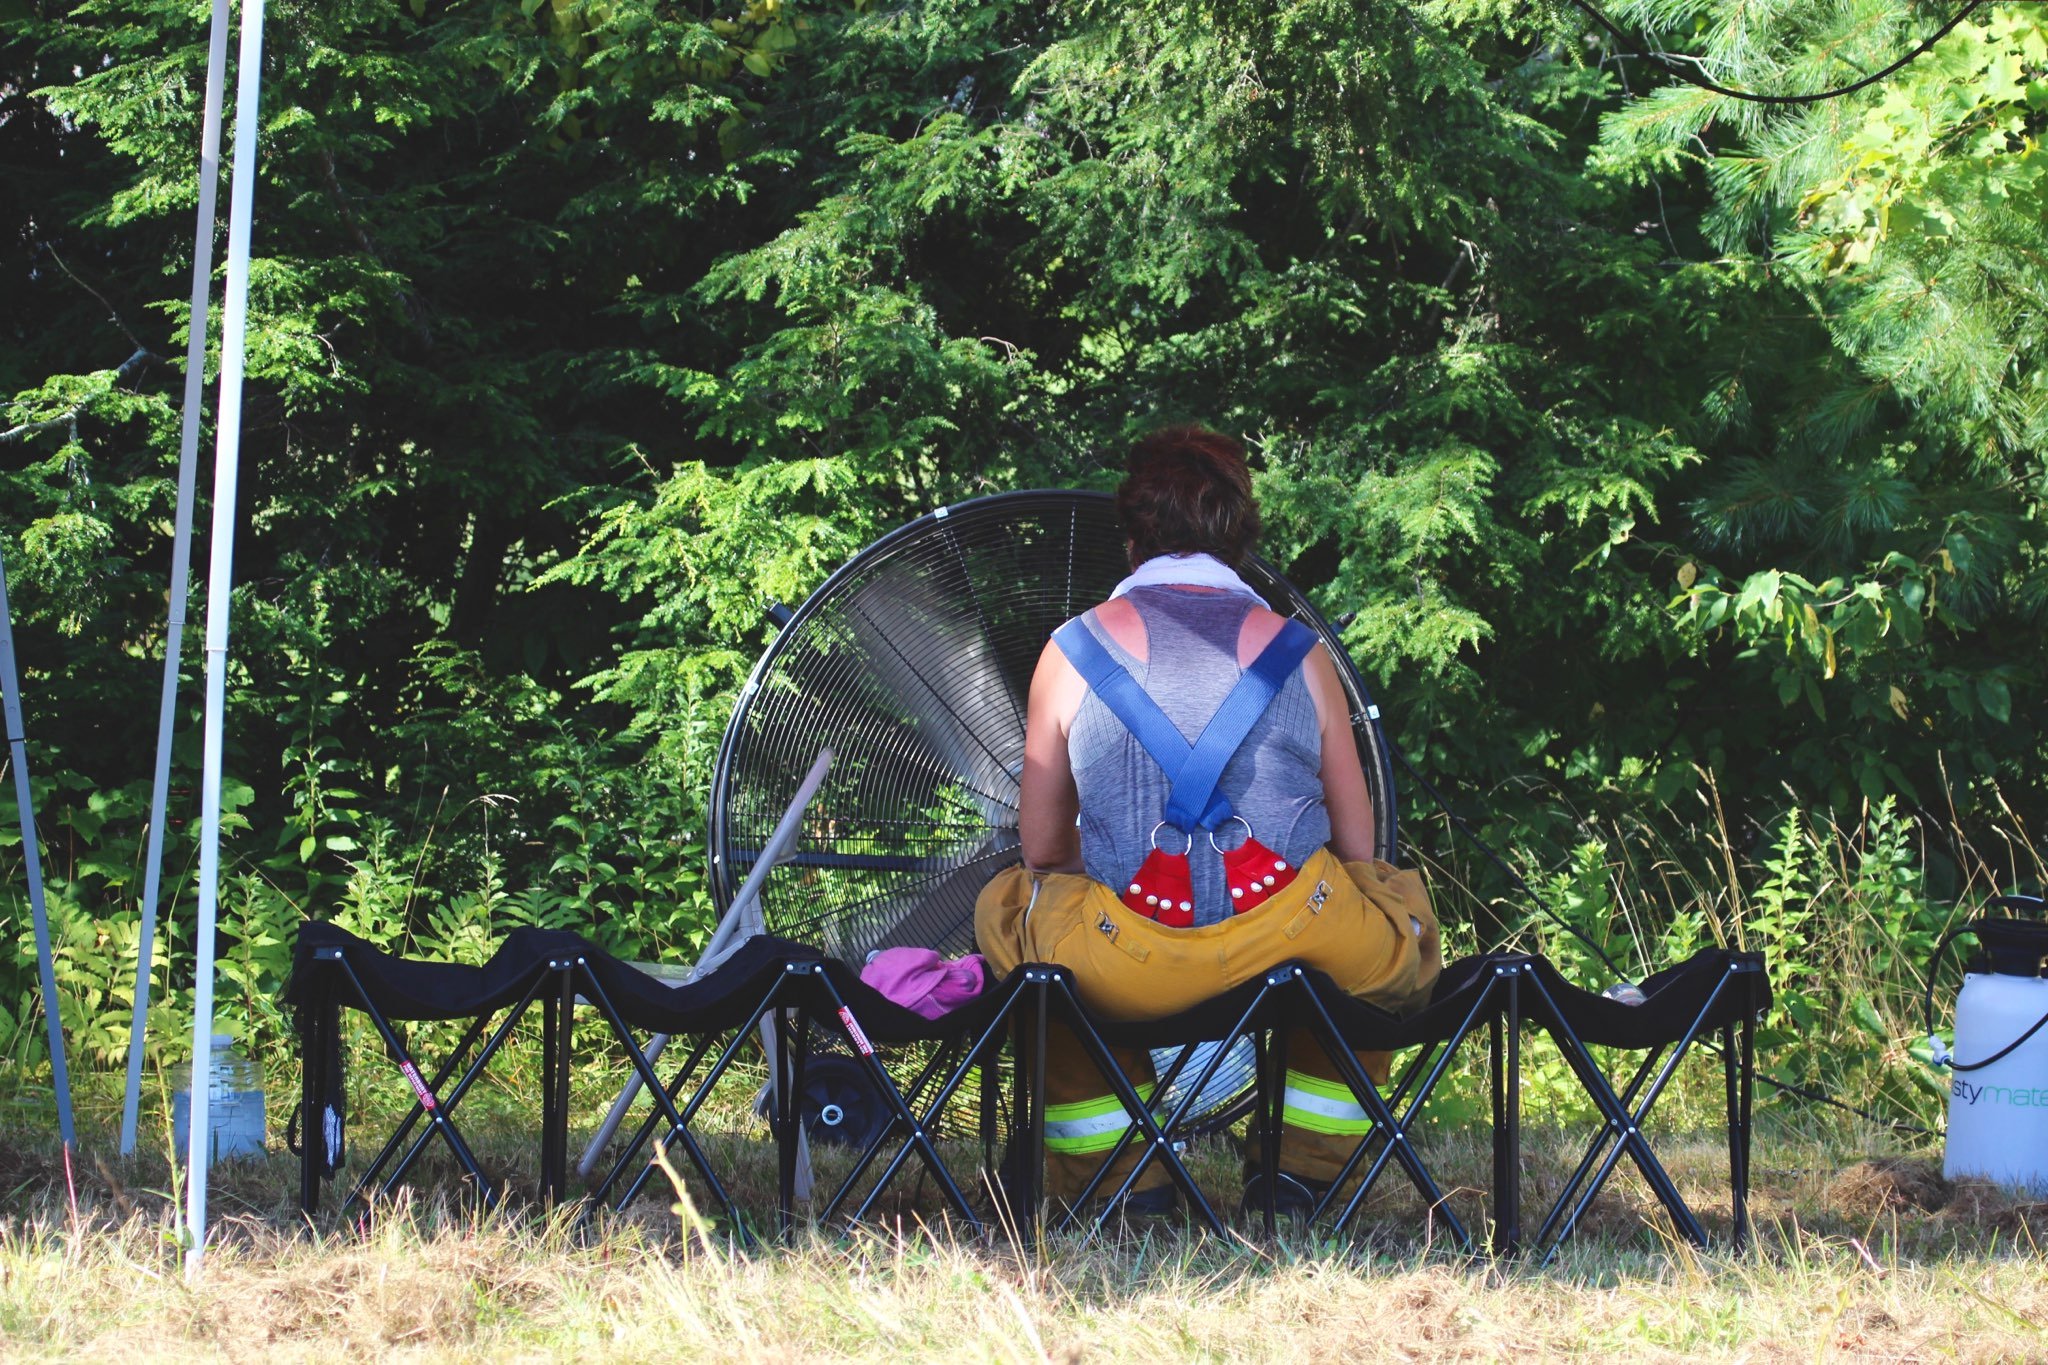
(1186,491)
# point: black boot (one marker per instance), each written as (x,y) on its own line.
(1295,1197)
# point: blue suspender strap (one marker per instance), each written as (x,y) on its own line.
(1194,791)
(1194,802)
(1120,692)
(1132,705)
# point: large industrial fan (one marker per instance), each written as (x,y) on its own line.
(911,665)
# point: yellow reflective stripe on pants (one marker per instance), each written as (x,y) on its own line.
(1321,1106)
(1091,1125)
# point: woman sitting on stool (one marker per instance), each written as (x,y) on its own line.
(1168,858)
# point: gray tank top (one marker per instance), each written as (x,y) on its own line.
(1273,780)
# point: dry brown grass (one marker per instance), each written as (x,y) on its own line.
(1871,1258)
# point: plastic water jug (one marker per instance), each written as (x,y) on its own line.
(1998,1068)
(234,1103)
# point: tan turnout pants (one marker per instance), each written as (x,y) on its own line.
(1357,922)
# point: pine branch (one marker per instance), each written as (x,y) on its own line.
(16,434)
(1677,68)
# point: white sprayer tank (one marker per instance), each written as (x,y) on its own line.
(1998,1111)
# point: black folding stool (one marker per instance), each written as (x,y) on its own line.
(333,969)
(1016,1011)
(1292,996)
(1717,990)
(717,1014)
(1221,1023)
(963,1042)
(1262,1010)
(1471,991)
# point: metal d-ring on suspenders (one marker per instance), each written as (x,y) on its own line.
(1162,887)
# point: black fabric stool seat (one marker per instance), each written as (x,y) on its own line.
(648,1002)
(1712,988)
(411,989)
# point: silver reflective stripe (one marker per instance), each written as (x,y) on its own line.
(1073,1130)
(1308,1102)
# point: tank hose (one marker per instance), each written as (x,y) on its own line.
(2034,1028)
(1941,1055)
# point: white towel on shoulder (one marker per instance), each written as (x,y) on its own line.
(1191,571)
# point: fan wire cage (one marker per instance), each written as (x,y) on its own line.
(912,664)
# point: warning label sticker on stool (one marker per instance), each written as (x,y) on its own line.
(853,1031)
(419,1087)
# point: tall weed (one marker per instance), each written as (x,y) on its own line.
(1842,908)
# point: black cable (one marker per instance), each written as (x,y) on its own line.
(1822,1097)
(1691,78)
(2002,1053)
(1787,1087)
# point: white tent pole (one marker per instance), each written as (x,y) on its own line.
(181,550)
(17,751)
(219,593)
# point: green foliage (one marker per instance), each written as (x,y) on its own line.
(1661,454)
(1871,544)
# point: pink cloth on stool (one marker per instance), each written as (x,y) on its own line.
(923,982)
